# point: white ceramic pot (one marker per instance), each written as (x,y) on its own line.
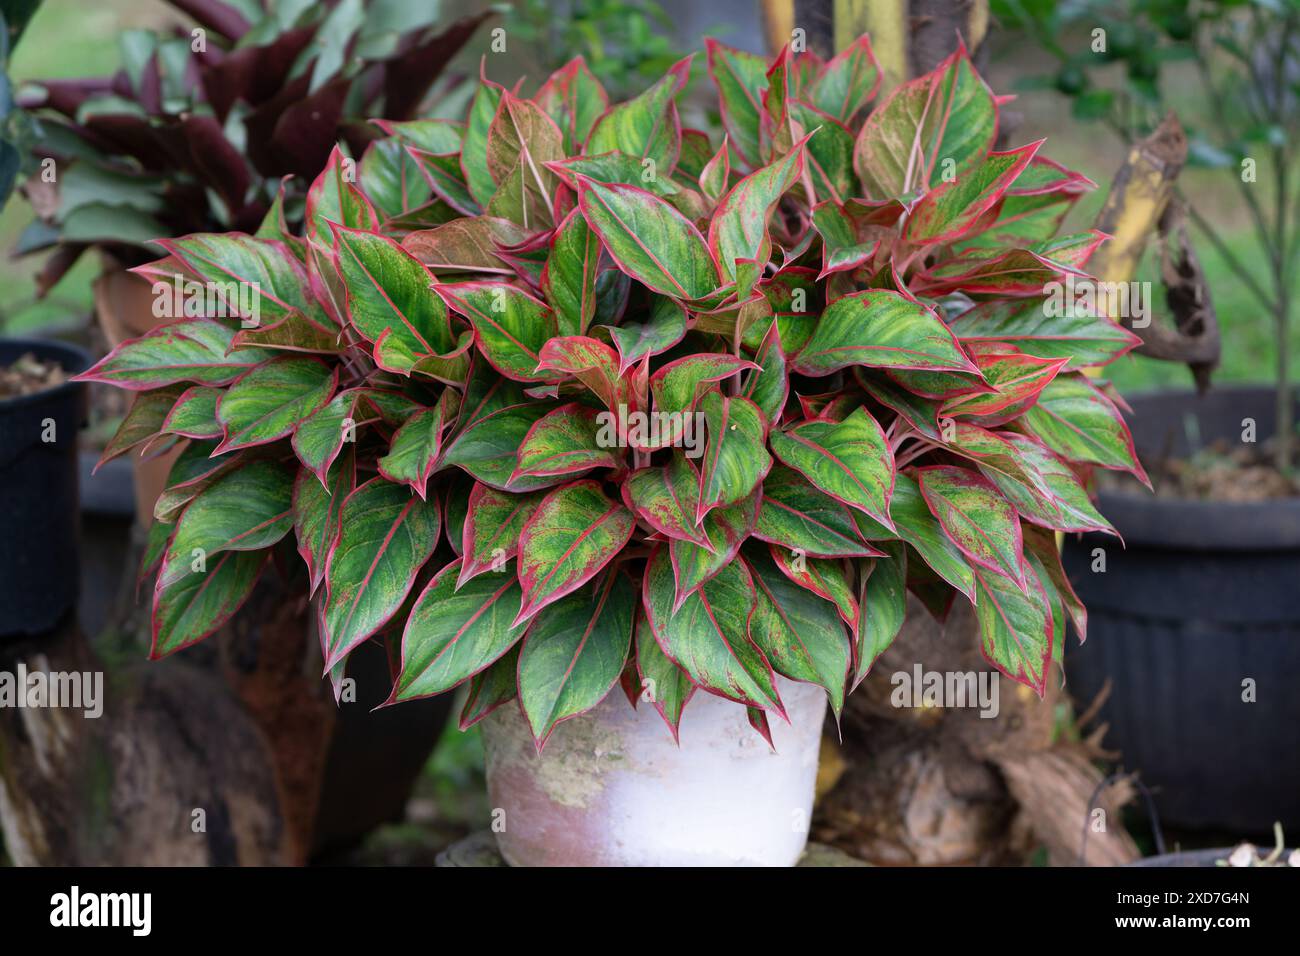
(612,788)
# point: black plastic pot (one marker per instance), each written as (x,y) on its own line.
(1205,596)
(38,494)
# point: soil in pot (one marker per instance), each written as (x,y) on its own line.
(40,414)
(612,787)
(1195,621)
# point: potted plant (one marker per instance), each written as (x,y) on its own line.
(654,411)
(1207,576)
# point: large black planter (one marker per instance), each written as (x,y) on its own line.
(1206,595)
(38,494)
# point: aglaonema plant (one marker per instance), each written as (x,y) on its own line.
(646,405)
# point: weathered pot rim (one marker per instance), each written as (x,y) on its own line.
(1184,524)
(72,359)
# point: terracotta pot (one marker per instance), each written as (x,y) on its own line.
(124,306)
(613,789)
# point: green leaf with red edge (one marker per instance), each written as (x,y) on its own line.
(255,279)
(247,509)
(416,446)
(1033,208)
(947,114)
(665,498)
(491,687)
(800,633)
(921,413)
(191,350)
(493,521)
(522,130)
(574,99)
(918,527)
(574,533)
(708,637)
(1040,545)
(973,513)
(696,150)
(446,179)
(664,327)
(317,506)
(795,515)
(268,403)
(649,240)
(190,609)
(735,455)
(387,535)
(647,126)
(829,152)
(388,300)
(473,153)
(726,529)
(677,386)
(1020,272)
(951,209)
(849,460)
(825,577)
(615,168)
(590,361)
(741,79)
(848,81)
(1076,420)
(319,437)
(465,245)
(768,386)
(1014,382)
(1083,340)
(488,448)
(146,418)
(510,326)
(1016,629)
(193,470)
(844,247)
(155,546)
(195,414)
(569,279)
(574,652)
(453,634)
(881,329)
(564,442)
(717,173)
(274,225)
(1041,486)
(738,229)
(333,198)
(883,606)
(664,685)
(776,133)
(392,178)
(293,333)
(521,140)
